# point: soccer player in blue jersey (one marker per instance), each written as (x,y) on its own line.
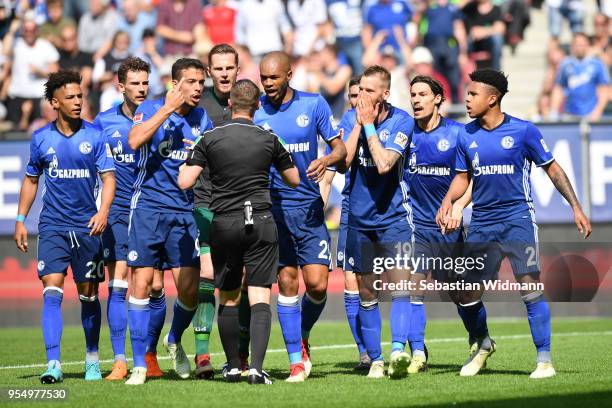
(379,212)
(71,154)
(114,124)
(351,290)
(162,228)
(431,171)
(299,118)
(496,152)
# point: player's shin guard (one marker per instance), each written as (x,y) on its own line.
(180,321)
(399,320)
(261,322)
(157,306)
(351,307)
(138,316)
(228,331)
(91,318)
(290,319)
(52,324)
(371,326)
(116,314)
(203,318)
(538,314)
(244,318)
(474,316)
(416,333)
(311,310)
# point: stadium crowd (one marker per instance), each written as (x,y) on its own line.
(330,40)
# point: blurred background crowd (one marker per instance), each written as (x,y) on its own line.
(330,41)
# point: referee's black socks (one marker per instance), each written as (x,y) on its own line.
(229,331)
(261,322)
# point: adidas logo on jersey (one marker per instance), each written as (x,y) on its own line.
(474,145)
(116,134)
(51,151)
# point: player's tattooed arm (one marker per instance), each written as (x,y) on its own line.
(29,187)
(98,222)
(383,158)
(562,184)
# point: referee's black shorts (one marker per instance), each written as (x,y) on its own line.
(234,245)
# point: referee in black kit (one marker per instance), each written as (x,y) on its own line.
(239,155)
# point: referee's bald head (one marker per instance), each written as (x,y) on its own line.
(244,97)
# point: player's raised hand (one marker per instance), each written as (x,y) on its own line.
(21,236)
(174,97)
(316,169)
(97,223)
(583,223)
(444,213)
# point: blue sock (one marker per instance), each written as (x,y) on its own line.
(351,306)
(371,326)
(52,321)
(138,315)
(416,334)
(157,305)
(538,314)
(311,310)
(91,317)
(116,314)
(290,319)
(474,318)
(399,321)
(180,321)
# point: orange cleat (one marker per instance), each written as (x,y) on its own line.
(204,369)
(119,371)
(153,370)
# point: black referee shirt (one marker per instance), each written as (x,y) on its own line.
(219,112)
(239,155)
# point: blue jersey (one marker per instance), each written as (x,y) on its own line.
(384,16)
(115,126)
(431,169)
(298,123)
(377,201)
(71,165)
(500,163)
(156,187)
(580,79)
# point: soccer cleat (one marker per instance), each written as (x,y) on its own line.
(179,359)
(92,371)
(477,360)
(204,369)
(398,364)
(119,371)
(256,377)
(244,364)
(52,375)
(417,364)
(138,376)
(298,373)
(233,375)
(306,357)
(543,370)
(364,365)
(377,369)
(153,370)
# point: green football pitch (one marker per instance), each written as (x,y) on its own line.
(582,351)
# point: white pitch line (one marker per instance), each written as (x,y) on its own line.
(342,346)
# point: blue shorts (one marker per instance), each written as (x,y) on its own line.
(362,246)
(515,239)
(432,248)
(162,238)
(341,248)
(303,238)
(115,236)
(58,249)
